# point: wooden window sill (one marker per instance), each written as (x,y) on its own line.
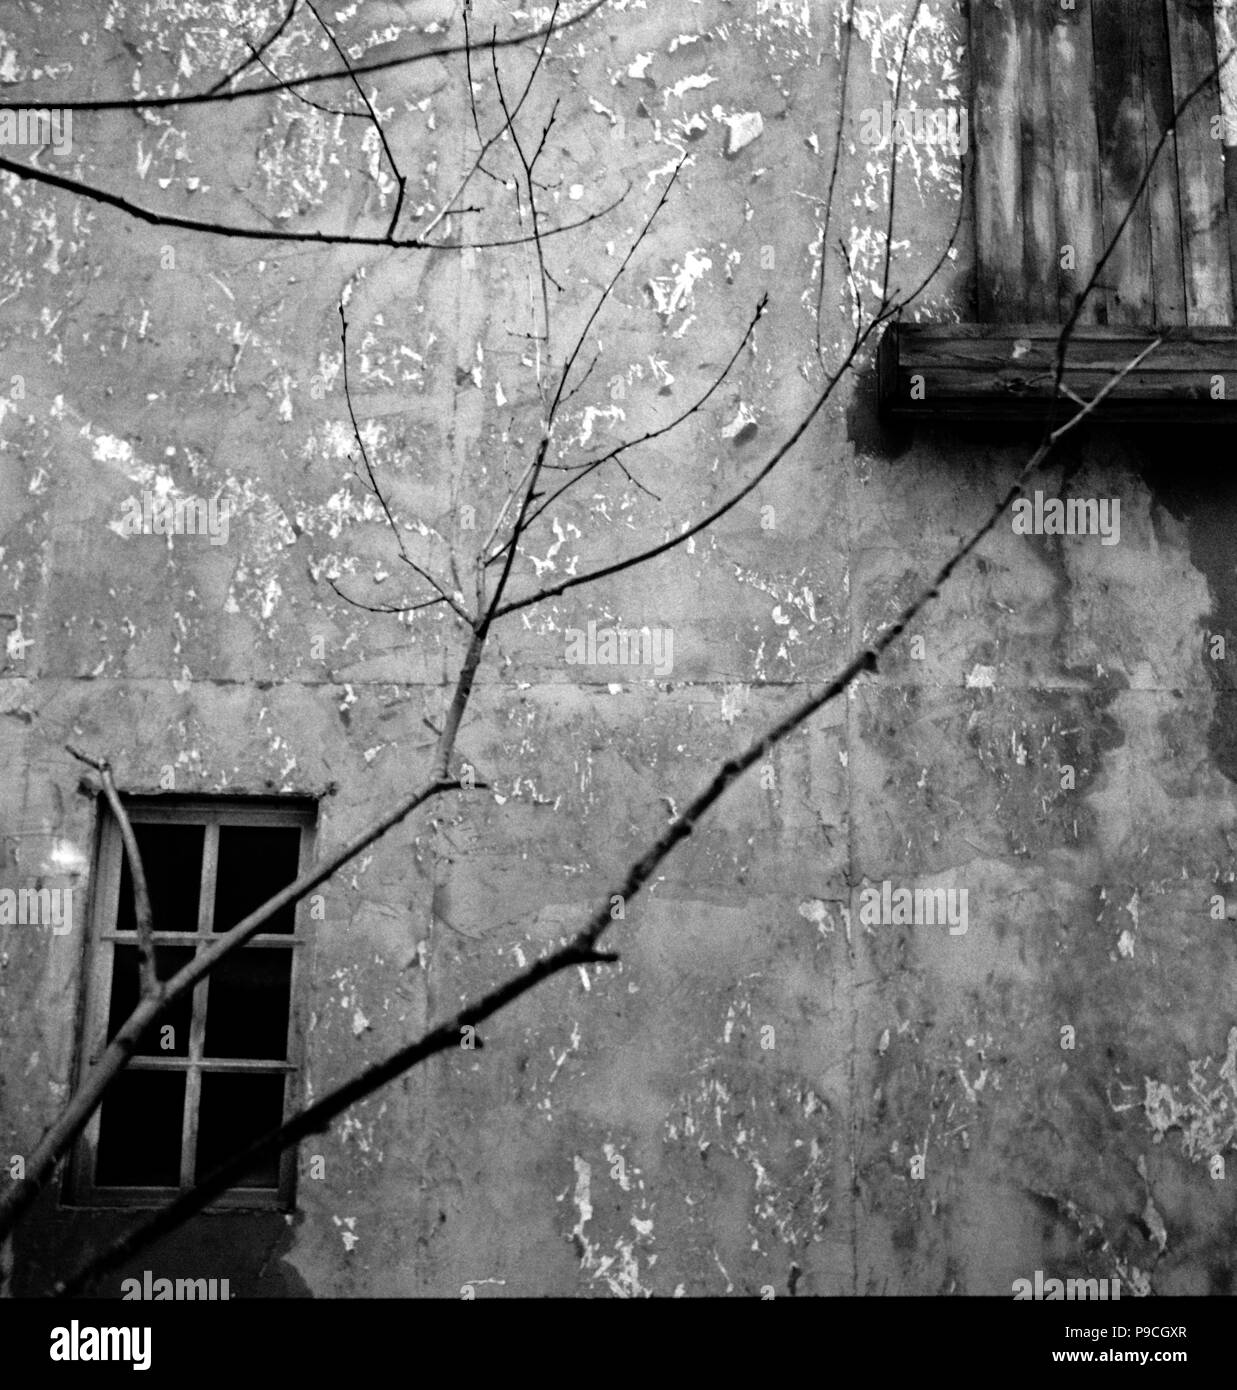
(1006,371)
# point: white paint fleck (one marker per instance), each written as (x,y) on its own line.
(982,678)
(692,84)
(741,128)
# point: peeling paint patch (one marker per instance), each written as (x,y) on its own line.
(691,84)
(675,291)
(981,678)
(348,1234)
(741,128)
(1206,1114)
(816,910)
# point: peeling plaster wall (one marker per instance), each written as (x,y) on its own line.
(622,1132)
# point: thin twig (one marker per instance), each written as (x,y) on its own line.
(401,182)
(221,229)
(485,145)
(534,472)
(377,491)
(255,54)
(893,150)
(584,469)
(572,581)
(383,607)
(148,976)
(289,84)
(309,101)
(833,173)
(528,167)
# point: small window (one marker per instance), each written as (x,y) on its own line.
(222,1065)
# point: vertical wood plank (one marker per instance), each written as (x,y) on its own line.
(1200,164)
(1230,202)
(1076,156)
(1225,20)
(1121,127)
(1167,257)
(998,165)
(1039,203)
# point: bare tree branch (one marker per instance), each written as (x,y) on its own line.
(534,471)
(148,976)
(528,167)
(377,491)
(485,145)
(401,182)
(884,312)
(255,54)
(582,470)
(833,172)
(309,101)
(893,146)
(572,581)
(294,83)
(221,229)
(382,607)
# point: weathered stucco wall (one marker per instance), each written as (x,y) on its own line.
(158,359)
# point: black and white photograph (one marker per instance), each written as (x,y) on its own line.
(618,679)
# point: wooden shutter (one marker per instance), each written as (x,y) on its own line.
(1069,103)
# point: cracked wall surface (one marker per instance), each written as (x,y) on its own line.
(766,1091)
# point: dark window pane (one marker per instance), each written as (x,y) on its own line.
(139,1130)
(172,859)
(168,960)
(235,1110)
(247,1009)
(254,864)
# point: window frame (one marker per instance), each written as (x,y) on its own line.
(80,1189)
(1001,367)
